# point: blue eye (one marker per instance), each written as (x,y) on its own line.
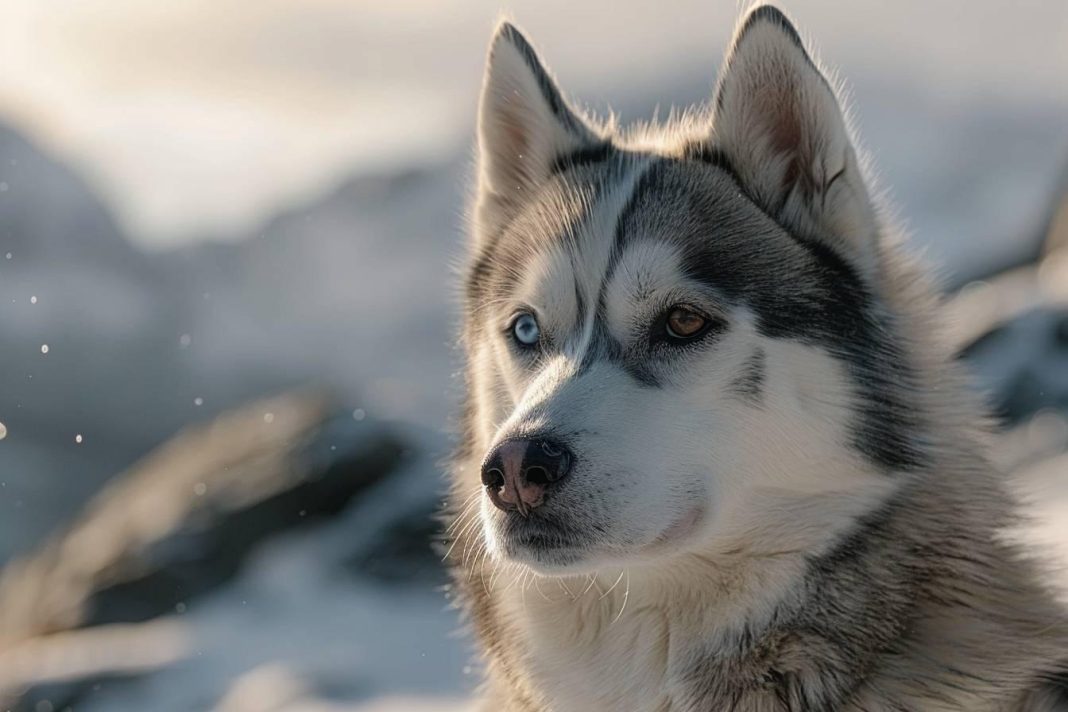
(525,329)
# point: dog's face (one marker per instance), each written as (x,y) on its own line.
(675,344)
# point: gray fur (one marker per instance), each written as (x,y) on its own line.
(751,379)
(894,589)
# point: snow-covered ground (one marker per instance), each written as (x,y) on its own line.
(298,632)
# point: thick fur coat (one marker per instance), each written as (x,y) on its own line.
(790,506)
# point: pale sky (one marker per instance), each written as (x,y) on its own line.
(198,117)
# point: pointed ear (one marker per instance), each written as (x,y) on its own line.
(778,122)
(524,126)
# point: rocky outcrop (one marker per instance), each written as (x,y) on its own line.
(174,527)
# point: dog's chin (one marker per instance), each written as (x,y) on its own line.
(544,544)
(549,560)
(553,550)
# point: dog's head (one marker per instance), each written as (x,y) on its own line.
(676,339)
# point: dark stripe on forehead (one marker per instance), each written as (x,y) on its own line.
(603,346)
(502,255)
(646,182)
(582,157)
(580,298)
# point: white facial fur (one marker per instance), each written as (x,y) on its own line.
(689,465)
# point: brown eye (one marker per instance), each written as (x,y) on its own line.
(684,324)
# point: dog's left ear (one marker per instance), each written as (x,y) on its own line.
(525,125)
(778,122)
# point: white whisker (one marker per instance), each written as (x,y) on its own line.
(603,595)
(626,595)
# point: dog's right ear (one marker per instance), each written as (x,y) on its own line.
(524,127)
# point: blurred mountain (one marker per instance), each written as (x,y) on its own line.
(353,289)
(77,305)
(49,215)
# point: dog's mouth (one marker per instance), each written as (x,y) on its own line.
(551,540)
(541,538)
(539,530)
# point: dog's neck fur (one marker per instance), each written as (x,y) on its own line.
(882,619)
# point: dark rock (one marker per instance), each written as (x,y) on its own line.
(182,522)
(404,550)
(1022,363)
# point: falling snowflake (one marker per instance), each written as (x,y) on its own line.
(78,438)
(44,348)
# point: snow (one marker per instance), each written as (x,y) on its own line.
(298,630)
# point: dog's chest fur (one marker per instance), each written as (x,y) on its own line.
(638,648)
(586,658)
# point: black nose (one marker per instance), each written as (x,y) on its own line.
(516,473)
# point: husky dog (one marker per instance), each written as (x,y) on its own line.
(715,456)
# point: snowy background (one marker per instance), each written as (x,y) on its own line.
(209,203)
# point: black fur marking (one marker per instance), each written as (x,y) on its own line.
(840,316)
(825,304)
(641,375)
(580,302)
(1057,687)
(615,353)
(750,383)
(502,254)
(646,183)
(546,85)
(586,156)
(604,347)
(707,153)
